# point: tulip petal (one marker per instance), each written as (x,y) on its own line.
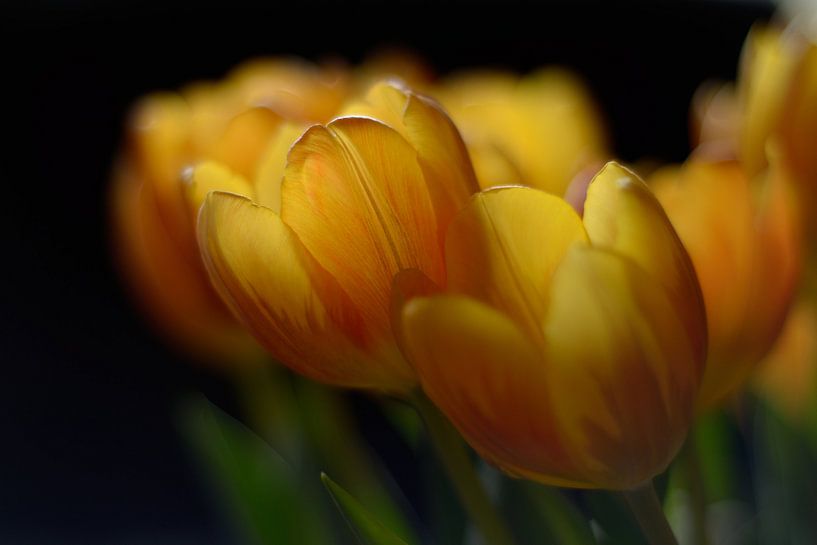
(211,176)
(408,284)
(170,283)
(244,140)
(544,126)
(491,381)
(504,246)
(768,66)
(777,256)
(749,279)
(355,195)
(273,161)
(442,154)
(288,302)
(622,214)
(623,373)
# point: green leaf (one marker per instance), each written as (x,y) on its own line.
(261,489)
(328,422)
(367,530)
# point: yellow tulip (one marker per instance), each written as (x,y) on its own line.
(246,122)
(566,350)
(743,238)
(539,130)
(363,200)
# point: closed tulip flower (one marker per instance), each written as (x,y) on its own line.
(539,130)
(362,199)
(742,235)
(566,349)
(246,123)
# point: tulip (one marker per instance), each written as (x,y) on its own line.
(742,235)
(362,200)
(247,123)
(566,350)
(539,130)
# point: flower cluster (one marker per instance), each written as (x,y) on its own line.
(473,238)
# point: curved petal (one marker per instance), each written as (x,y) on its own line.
(171,284)
(748,296)
(288,302)
(211,176)
(272,164)
(767,69)
(777,256)
(622,214)
(244,140)
(503,247)
(543,125)
(491,381)
(440,149)
(623,371)
(354,193)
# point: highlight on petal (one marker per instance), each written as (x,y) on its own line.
(491,381)
(504,246)
(288,302)
(622,214)
(355,195)
(623,371)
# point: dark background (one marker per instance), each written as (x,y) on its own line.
(89,450)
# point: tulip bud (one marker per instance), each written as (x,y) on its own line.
(363,199)
(246,124)
(566,350)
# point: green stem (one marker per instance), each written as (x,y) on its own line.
(697,494)
(646,507)
(460,469)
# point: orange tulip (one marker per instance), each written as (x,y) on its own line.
(239,123)
(539,130)
(742,236)
(566,350)
(362,199)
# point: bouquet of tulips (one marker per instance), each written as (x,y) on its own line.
(572,350)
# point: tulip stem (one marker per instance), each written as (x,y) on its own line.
(690,457)
(646,507)
(454,456)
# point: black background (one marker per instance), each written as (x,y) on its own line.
(89,452)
